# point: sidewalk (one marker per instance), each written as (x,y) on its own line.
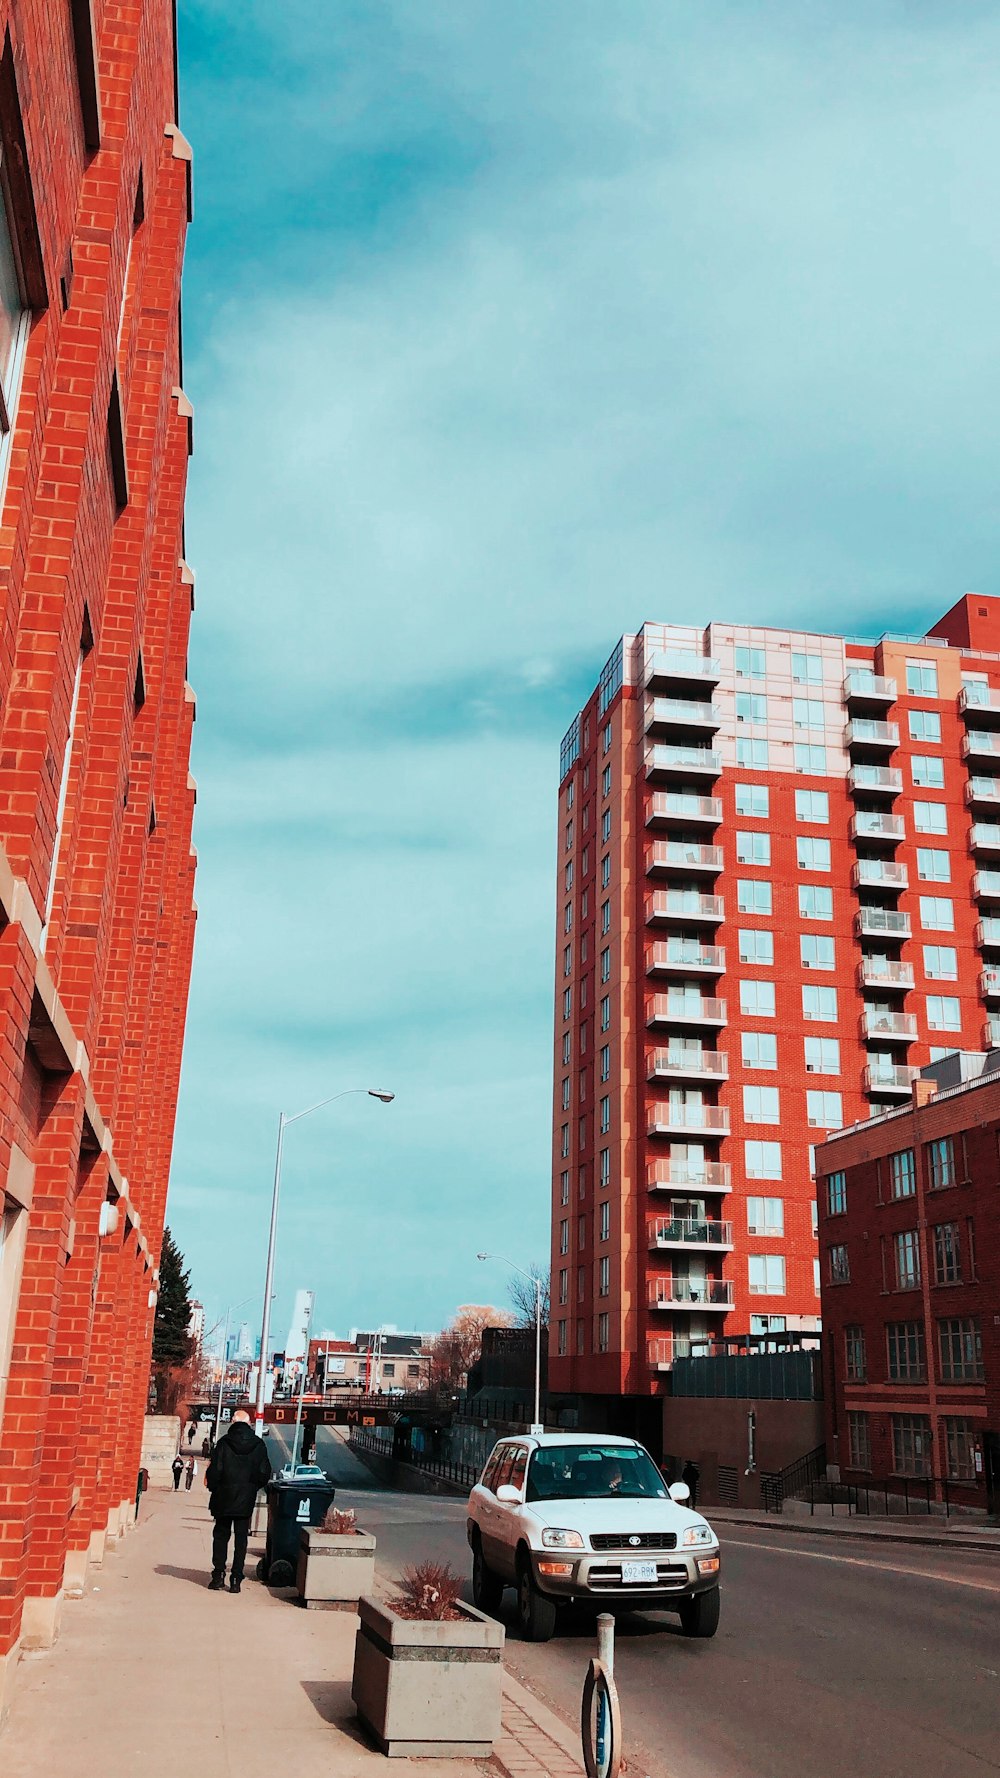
(932,1531)
(152,1671)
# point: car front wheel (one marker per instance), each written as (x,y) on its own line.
(536,1614)
(487,1587)
(700,1615)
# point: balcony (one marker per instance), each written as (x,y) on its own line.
(684,908)
(670,1119)
(881,923)
(865,735)
(984,836)
(983,790)
(687,1176)
(670,667)
(683,856)
(979,700)
(989,982)
(668,713)
(866,780)
(679,1063)
(678,956)
(884,1082)
(878,972)
(986,885)
(875,828)
(981,744)
(888,1027)
(861,687)
(675,1231)
(689,1293)
(665,806)
(661,1353)
(685,1009)
(991,1033)
(877,873)
(665,761)
(988,932)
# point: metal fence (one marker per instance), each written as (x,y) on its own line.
(902,1496)
(448,1469)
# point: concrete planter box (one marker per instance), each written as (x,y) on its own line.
(335,1567)
(427,1690)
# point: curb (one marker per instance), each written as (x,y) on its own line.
(775,1522)
(514,1759)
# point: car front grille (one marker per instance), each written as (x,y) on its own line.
(608,1578)
(638,1540)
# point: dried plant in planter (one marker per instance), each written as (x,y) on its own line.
(340,1519)
(429,1591)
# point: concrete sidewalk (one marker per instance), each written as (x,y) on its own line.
(932,1532)
(153,1672)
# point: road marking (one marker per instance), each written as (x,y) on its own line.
(951,1580)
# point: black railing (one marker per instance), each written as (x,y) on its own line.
(803,1473)
(446,1468)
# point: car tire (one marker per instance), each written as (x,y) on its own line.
(700,1615)
(535,1613)
(487,1587)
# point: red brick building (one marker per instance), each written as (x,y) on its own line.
(909,1208)
(778,895)
(96,865)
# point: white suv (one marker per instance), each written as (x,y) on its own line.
(576,1517)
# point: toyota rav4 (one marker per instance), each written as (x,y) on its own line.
(574,1518)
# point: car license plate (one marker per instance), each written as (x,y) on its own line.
(638,1571)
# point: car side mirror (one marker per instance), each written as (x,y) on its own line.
(509,1496)
(680,1492)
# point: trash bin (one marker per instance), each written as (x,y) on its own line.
(290,1505)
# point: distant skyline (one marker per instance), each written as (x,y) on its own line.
(507,329)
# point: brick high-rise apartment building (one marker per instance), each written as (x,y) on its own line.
(778,894)
(96,866)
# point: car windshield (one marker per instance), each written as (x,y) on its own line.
(593,1472)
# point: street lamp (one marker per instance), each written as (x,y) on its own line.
(265,1331)
(225,1360)
(532,1278)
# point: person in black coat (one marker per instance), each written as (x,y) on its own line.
(240,1465)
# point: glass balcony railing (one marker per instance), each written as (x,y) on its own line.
(881,923)
(683,856)
(685,1009)
(985,836)
(667,666)
(981,744)
(875,780)
(986,885)
(675,1117)
(675,805)
(888,1027)
(679,956)
(663,760)
(865,732)
(682,713)
(879,972)
(681,1292)
(982,790)
(705,1176)
(886,1080)
(861,687)
(684,907)
(666,1231)
(694,1063)
(868,824)
(878,873)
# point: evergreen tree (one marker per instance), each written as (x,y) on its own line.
(171,1340)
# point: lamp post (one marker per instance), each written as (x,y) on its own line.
(225,1362)
(265,1330)
(537,1428)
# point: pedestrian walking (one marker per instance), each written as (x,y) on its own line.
(190,1473)
(239,1466)
(691,1474)
(206,1446)
(192,1429)
(177,1470)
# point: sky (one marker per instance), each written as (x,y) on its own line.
(509,327)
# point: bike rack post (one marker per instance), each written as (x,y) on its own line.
(600,1716)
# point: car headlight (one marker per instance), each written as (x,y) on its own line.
(697,1534)
(562,1540)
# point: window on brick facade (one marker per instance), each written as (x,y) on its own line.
(753,800)
(761,1105)
(927,770)
(822,1055)
(824,1111)
(922,679)
(603,1332)
(605,1166)
(838,1268)
(941,963)
(859,1444)
(564,1236)
(14,316)
(753,897)
(906,1257)
(960,1349)
(817,950)
(756,947)
(812,853)
(606,781)
(941,1163)
(606,917)
(819,1003)
(565,1094)
(812,805)
(912,1451)
(606,826)
(925,725)
(855,1356)
(564,1188)
(937,913)
(930,817)
(815,901)
(606,1062)
(765,1216)
(757,999)
(947,1254)
(605,870)
(563,1285)
(906,1359)
(604,1228)
(762,1160)
(960,1448)
(753,848)
(766,1272)
(944,1012)
(933,864)
(604,1277)
(902,1174)
(605,1115)
(605,1012)
(836,1194)
(759,1049)
(561,1338)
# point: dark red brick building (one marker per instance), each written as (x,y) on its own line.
(96,865)
(909,1209)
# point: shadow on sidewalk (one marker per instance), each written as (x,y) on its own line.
(331,1699)
(197,1576)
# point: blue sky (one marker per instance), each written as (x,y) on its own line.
(507,328)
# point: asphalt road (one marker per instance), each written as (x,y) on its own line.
(830,1662)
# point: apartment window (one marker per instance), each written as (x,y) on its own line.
(605,870)
(564,1236)
(941,963)
(906,1357)
(563,1286)
(580,1337)
(947,1254)
(925,725)
(752,800)
(570,795)
(569,834)
(765,1216)
(585,860)
(906,1252)
(586,806)
(606,1062)
(807,712)
(960,1445)
(604,1232)
(836,1194)
(753,848)
(565,1095)
(756,947)
(605,827)
(902,1174)
(855,1357)
(809,757)
(561,1338)
(565,1142)
(751,706)
(814,1219)
(812,805)
(605,917)
(606,1012)
(930,817)
(605,1115)
(757,999)
(760,1105)
(911,1444)
(941,1163)
(566,1047)
(603,1332)
(838,1264)
(568,960)
(567,1002)
(937,913)
(933,866)
(767,1274)
(819,1003)
(815,901)
(568,916)
(816,950)
(858,1441)
(564,1188)
(960,1349)
(750,663)
(816,1278)
(807,669)
(606,738)
(751,751)
(822,1055)
(581,1232)
(604,1276)
(569,876)
(824,1110)
(606,781)
(922,679)
(606,964)
(763,1160)
(812,853)
(927,770)
(943,1013)
(760,1049)
(605,1167)
(753,897)
(584,905)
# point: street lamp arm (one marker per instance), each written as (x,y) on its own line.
(532,1277)
(294,1119)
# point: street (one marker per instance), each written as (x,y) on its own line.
(838,1661)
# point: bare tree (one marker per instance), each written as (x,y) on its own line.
(457,1349)
(522,1295)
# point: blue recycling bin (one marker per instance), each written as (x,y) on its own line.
(290,1505)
